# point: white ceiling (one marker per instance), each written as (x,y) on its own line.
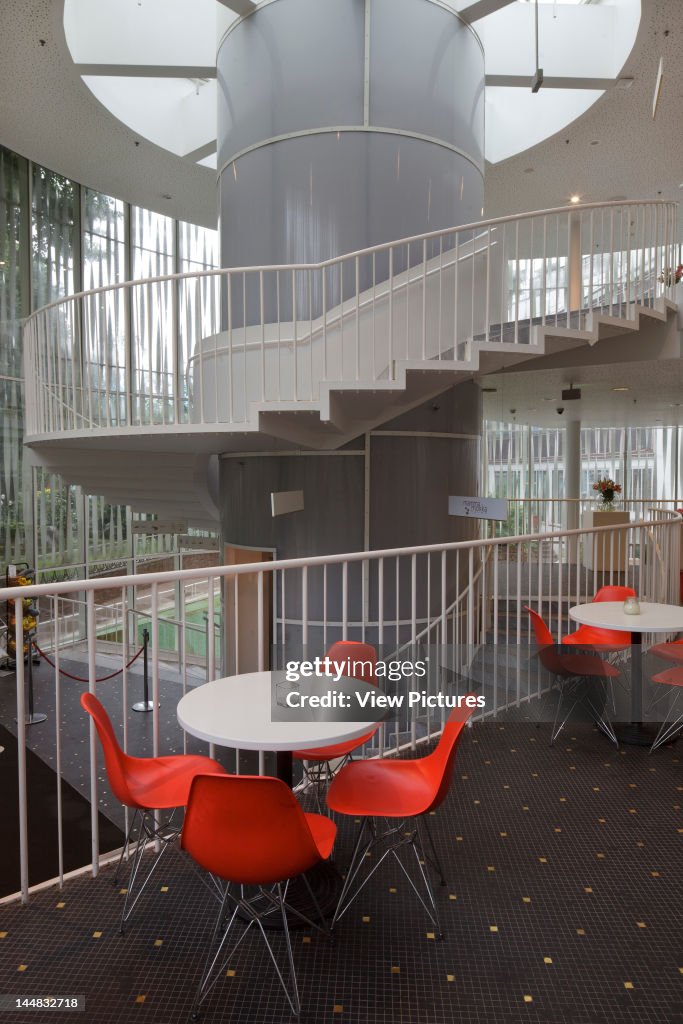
(654,396)
(49,114)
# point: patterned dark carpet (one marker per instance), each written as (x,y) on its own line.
(563,906)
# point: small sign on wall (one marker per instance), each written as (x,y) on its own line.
(478,508)
(282,502)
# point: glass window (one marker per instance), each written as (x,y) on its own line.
(153,346)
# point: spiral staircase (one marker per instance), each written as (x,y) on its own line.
(134,390)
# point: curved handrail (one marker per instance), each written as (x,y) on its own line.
(481,225)
(223,346)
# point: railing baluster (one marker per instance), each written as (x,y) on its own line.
(92,686)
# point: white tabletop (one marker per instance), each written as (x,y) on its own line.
(653,618)
(236,712)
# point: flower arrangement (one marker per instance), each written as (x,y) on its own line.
(669,276)
(608,491)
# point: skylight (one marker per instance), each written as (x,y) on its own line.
(152,64)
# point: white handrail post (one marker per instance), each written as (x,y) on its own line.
(92,686)
(21,748)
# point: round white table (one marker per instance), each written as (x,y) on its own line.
(653,618)
(236,711)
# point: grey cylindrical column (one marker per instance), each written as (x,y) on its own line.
(344,124)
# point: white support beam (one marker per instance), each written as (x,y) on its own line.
(147,70)
(208,149)
(550,82)
(239,6)
(482,9)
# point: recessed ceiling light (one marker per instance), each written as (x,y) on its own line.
(549,399)
(621,389)
(575,199)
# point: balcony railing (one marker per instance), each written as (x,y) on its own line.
(465,598)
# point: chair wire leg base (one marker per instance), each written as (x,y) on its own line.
(434,859)
(396,836)
(126,846)
(668,730)
(149,831)
(276,899)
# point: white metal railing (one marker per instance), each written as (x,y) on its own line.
(464,599)
(215,346)
(549,515)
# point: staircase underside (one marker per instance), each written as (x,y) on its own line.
(165,468)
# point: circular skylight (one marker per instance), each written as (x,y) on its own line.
(152,64)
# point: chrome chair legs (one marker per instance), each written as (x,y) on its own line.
(149,830)
(570,692)
(397,835)
(254,909)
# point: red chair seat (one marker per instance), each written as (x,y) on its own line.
(670,677)
(587,665)
(364,656)
(163,782)
(324,832)
(671,651)
(607,640)
(334,750)
(383,789)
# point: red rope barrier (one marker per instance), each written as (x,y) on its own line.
(80,679)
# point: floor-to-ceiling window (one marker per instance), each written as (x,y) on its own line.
(57,237)
(526,464)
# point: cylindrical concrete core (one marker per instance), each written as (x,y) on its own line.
(344,124)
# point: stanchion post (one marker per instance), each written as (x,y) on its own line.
(145,704)
(32,718)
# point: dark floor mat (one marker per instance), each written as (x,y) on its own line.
(42,819)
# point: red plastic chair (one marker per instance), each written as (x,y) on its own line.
(317,767)
(249,830)
(572,672)
(672,651)
(609,641)
(667,730)
(397,789)
(146,784)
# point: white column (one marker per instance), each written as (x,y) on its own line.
(572,479)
